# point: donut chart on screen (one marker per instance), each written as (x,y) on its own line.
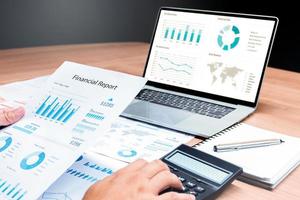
(229,37)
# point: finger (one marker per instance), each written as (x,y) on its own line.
(9,116)
(164,180)
(154,168)
(176,196)
(136,165)
(2,99)
(5,106)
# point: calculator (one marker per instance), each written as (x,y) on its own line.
(201,174)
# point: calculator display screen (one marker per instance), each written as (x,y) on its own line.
(198,167)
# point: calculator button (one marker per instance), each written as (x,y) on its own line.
(181,179)
(199,180)
(199,189)
(193,193)
(173,169)
(190,184)
(184,189)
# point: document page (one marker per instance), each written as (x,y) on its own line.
(76,105)
(128,140)
(87,170)
(19,93)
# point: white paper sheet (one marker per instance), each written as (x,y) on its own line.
(87,170)
(22,91)
(77,104)
(17,94)
(127,140)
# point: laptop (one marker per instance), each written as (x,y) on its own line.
(204,69)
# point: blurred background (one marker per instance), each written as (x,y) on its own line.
(29,23)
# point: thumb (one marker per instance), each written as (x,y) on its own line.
(176,196)
(10,116)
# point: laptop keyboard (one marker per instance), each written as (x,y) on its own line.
(184,103)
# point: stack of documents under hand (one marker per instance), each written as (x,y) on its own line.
(125,141)
(262,166)
(63,119)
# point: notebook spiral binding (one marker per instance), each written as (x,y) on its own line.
(218,134)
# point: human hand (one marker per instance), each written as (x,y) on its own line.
(9,115)
(140,180)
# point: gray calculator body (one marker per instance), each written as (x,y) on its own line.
(201,174)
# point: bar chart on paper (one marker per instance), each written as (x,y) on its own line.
(12,191)
(73,184)
(182,32)
(90,122)
(57,109)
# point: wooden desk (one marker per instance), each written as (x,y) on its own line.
(278,110)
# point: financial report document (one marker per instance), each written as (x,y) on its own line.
(62,119)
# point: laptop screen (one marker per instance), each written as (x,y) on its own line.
(213,53)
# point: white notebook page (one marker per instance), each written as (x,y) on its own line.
(263,163)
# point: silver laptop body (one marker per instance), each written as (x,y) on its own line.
(204,70)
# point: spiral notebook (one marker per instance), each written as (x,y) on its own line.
(262,166)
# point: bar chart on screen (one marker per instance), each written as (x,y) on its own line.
(182,32)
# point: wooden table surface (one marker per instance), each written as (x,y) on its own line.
(278,109)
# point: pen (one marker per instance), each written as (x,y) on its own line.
(246,145)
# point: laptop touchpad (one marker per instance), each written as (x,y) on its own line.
(156,113)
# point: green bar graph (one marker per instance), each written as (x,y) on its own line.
(182,34)
(192,36)
(178,35)
(198,37)
(173,33)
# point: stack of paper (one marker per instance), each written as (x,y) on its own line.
(124,142)
(63,119)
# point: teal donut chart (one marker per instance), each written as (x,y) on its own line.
(127,153)
(24,163)
(7,142)
(234,43)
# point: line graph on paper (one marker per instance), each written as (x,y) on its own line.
(173,69)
